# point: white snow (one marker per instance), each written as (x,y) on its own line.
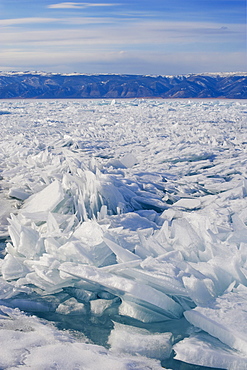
(124,223)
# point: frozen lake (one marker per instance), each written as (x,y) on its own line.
(123,234)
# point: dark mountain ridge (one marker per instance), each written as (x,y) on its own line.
(40,85)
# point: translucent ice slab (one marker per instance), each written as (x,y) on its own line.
(225,319)
(127,339)
(127,289)
(204,350)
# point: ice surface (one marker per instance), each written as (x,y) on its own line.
(117,220)
(31,343)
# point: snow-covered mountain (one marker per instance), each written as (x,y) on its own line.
(53,85)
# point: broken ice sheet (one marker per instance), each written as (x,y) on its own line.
(6,207)
(126,161)
(224,318)
(127,289)
(9,290)
(71,307)
(188,203)
(12,268)
(18,193)
(45,200)
(204,350)
(100,306)
(127,339)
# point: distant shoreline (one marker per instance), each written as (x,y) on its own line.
(35,85)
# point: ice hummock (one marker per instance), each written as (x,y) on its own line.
(120,231)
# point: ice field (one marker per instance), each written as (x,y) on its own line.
(123,234)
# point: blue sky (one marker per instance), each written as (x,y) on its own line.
(128,36)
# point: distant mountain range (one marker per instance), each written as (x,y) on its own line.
(40,85)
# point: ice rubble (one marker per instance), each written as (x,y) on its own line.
(141,238)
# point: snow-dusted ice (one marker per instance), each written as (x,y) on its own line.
(123,234)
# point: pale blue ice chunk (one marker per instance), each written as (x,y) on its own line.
(19,193)
(45,200)
(122,254)
(13,268)
(131,340)
(71,307)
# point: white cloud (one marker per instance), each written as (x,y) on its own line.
(124,62)
(23,21)
(112,33)
(70,5)
(48,58)
(70,21)
(122,44)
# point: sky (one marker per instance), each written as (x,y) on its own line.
(164,37)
